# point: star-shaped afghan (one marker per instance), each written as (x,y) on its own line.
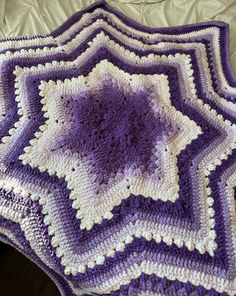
(117,155)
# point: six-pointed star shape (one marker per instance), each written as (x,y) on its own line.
(136,131)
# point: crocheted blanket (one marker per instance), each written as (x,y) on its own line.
(117,155)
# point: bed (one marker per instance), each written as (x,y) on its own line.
(30,17)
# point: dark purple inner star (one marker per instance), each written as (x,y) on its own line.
(112,129)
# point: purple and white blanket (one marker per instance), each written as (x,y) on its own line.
(118,155)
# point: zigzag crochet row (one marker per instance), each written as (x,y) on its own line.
(117,155)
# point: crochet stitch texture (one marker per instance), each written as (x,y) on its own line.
(117,155)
